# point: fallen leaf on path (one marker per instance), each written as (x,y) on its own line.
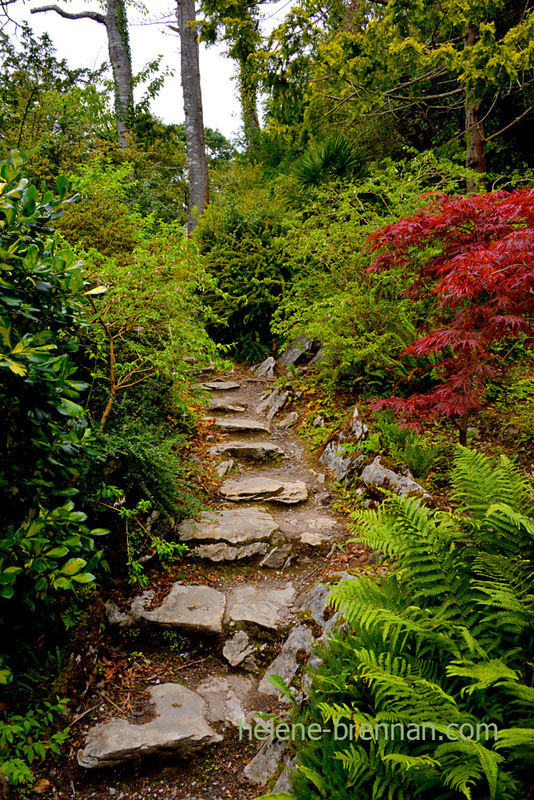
(42,786)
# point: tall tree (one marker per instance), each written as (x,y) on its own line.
(449,67)
(194,121)
(237,23)
(116,23)
(55,114)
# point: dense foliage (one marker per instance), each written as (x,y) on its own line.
(346,220)
(474,256)
(443,641)
(243,241)
(44,546)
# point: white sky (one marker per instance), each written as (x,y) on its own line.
(83,43)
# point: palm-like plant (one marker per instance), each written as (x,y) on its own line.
(334,159)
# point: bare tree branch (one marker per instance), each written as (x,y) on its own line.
(94,15)
(502,130)
(425,97)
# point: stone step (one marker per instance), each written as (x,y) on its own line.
(234,526)
(226,406)
(259,605)
(255,450)
(227,698)
(220,385)
(229,425)
(230,535)
(198,609)
(269,489)
(286,663)
(173,721)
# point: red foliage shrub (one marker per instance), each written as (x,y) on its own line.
(474,256)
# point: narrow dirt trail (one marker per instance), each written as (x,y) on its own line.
(189,660)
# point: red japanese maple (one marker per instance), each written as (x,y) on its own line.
(482,282)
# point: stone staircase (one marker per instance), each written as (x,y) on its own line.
(268,540)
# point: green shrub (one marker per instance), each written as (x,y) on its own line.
(26,740)
(44,546)
(334,159)
(242,240)
(364,321)
(446,639)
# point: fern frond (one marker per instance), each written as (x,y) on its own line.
(425,546)
(477,484)
(516,571)
(514,613)
(483,674)
(524,695)
(339,711)
(503,517)
(470,749)
(409,762)
(516,738)
(396,686)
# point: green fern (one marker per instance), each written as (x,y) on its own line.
(446,638)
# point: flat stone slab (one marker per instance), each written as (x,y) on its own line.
(220,385)
(316,604)
(261,605)
(239,424)
(287,662)
(176,723)
(191,608)
(267,401)
(266,368)
(290,420)
(264,489)
(225,698)
(226,406)
(266,761)
(238,648)
(278,404)
(226,552)
(277,558)
(235,526)
(224,468)
(315,538)
(283,784)
(255,450)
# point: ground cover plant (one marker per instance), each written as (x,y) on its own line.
(445,639)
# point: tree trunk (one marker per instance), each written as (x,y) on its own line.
(121,63)
(194,123)
(249,106)
(116,24)
(474,126)
(462,423)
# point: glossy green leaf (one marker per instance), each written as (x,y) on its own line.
(73,566)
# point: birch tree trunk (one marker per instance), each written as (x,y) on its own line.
(194,123)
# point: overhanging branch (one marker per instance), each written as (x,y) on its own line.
(94,15)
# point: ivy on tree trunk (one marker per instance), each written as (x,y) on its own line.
(116,24)
(194,124)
